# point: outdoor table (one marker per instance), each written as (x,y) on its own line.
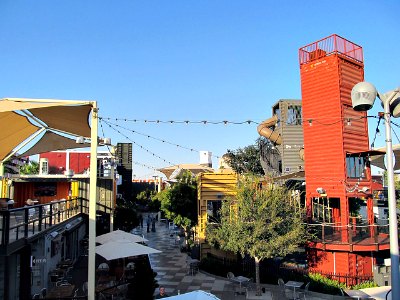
(62,291)
(356,294)
(193,265)
(294,285)
(240,280)
(110,291)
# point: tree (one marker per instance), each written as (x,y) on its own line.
(30,168)
(246,160)
(179,203)
(261,222)
(125,216)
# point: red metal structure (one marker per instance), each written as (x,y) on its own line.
(337,172)
(79,162)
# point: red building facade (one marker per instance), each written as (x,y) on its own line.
(337,172)
(60,161)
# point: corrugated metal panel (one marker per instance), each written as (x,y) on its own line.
(355,123)
(292,143)
(322,127)
(26,190)
(212,186)
(291,130)
(326,87)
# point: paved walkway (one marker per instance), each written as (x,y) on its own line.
(174,275)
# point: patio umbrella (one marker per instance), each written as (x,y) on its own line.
(121,249)
(119,235)
(195,295)
(378,293)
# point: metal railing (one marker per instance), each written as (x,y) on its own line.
(352,233)
(25,222)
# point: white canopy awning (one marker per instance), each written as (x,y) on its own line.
(121,249)
(119,235)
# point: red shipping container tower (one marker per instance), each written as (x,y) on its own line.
(335,178)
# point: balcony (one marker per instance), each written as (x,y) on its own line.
(25,222)
(359,236)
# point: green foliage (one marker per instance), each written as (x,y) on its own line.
(143,284)
(179,203)
(354,206)
(260,222)
(154,204)
(125,216)
(30,168)
(246,160)
(322,284)
(364,285)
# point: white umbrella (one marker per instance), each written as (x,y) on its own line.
(119,235)
(195,295)
(378,293)
(120,249)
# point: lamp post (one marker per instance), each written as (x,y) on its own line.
(363,96)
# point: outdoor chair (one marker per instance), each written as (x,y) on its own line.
(282,287)
(304,292)
(230,276)
(62,283)
(122,290)
(76,293)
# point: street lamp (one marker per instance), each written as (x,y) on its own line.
(363,96)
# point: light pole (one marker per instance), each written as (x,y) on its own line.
(363,96)
(92,203)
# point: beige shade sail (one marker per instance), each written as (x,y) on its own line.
(22,118)
(13,104)
(377,156)
(72,119)
(14,129)
(51,141)
(194,168)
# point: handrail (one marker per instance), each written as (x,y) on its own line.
(349,234)
(27,221)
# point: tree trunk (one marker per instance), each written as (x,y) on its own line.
(258,286)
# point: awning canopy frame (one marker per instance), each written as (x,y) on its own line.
(30,118)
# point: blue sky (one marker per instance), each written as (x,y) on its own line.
(184,60)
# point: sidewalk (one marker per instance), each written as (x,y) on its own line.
(173,274)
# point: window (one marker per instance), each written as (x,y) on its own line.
(294,115)
(277,112)
(355,167)
(213,211)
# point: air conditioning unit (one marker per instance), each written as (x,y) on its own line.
(382,275)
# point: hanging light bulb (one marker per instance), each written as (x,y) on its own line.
(348,122)
(310,122)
